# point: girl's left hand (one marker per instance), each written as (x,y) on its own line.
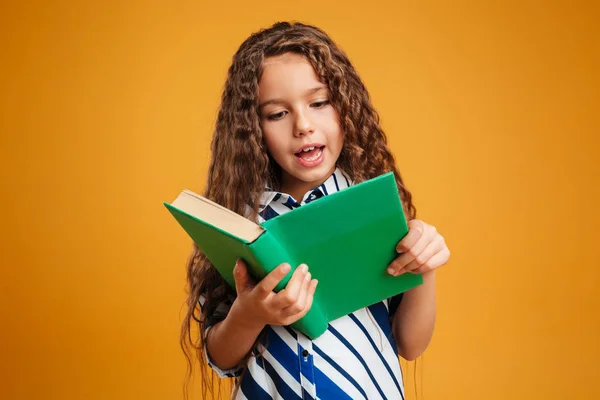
(422,250)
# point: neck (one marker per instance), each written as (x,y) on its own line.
(297,191)
(298,188)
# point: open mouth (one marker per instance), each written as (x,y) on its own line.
(310,153)
(310,156)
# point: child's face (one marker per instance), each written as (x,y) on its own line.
(296,115)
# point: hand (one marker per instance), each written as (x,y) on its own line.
(258,305)
(422,250)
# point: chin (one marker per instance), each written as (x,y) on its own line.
(315,175)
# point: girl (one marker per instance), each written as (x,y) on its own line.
(296,124)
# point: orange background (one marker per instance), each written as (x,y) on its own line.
(106,111)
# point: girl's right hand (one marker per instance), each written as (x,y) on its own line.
(257,305)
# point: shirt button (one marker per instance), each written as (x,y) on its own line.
(305,353)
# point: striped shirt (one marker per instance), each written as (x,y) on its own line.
(356,358)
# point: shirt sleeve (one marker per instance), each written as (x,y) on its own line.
(222,373)
(218,315)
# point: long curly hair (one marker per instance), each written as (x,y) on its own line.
(241,167)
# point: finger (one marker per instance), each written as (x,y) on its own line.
(434,262)
(242,279)
(265,287)
(309,302)
(420,260)
(402,261)
(289,295)
(300,302)
(415,231)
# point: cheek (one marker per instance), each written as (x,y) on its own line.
(336,135)
(339,141)
(273,142)
(334,127)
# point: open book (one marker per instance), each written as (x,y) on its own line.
(347,239)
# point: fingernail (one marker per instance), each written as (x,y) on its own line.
(316,283)
(307,277)
(304,267)
(390,271)
(286,268)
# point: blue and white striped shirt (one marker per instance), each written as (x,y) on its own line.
(356,358)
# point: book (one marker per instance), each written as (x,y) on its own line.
(347,239)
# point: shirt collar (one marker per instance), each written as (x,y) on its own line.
(337,181)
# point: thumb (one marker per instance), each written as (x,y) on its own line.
(241,276)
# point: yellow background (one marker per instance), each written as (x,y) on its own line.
(106,111)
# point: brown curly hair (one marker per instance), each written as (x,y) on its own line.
(241,167)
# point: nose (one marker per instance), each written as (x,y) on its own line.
(303,125)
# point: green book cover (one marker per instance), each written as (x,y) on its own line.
(347,239)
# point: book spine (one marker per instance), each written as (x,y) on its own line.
(270,253)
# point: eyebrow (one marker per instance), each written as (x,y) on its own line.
(307,93)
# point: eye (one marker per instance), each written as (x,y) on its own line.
(320,104)
(275,117)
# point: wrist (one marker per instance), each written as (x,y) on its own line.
(428,284)
(242,321)
(429,276)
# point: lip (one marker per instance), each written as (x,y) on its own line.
(307,146)
(312,163)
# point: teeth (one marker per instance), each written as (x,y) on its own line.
(315,156)
(306,150)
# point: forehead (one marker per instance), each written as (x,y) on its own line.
(287,74)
